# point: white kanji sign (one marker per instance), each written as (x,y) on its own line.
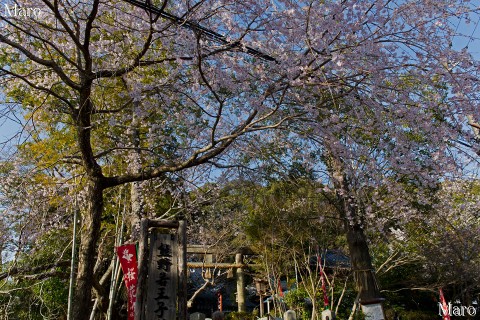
(130,275)
(127,255)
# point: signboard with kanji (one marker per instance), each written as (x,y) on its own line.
(161,299)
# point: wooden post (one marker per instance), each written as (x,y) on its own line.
(142,270)
(261,305)
(182,270)
(168,224)
(240,284)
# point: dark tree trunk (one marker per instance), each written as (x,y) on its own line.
(362,264)
(92,214)
(360,258)
(89,236)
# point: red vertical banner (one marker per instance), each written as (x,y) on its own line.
(280,290)
(220,301)
(127,255)
(322,278)
(444,307)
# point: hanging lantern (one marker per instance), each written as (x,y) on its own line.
(261,286)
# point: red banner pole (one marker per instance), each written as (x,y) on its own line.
(445,310)
(128,260)
(322,278)
(220,301)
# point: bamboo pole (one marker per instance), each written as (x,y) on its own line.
(182,270)
(73,262)
(142,269)
(116,269)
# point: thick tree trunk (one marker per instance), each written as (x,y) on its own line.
(136,210)
(362,264)
(89,236)
(360,258)
(92,214)
(137,199)
(134,166)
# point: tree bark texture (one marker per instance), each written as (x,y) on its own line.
(362,264)
(360,258)
(135,165)
(89,236)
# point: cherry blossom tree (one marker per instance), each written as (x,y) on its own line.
(451,248)
(435,249)
(79,69)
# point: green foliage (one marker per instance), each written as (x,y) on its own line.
(357,316)
(348,300)
(53,294)
(410,314)
(29,300)
(285,216)
(35,296)
(296,300)
(240,316)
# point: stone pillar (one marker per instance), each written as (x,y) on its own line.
(197,316)
(290,315)
(240,284)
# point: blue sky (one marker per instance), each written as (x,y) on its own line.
(471,40)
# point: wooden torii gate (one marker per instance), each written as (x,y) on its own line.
(239,265)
